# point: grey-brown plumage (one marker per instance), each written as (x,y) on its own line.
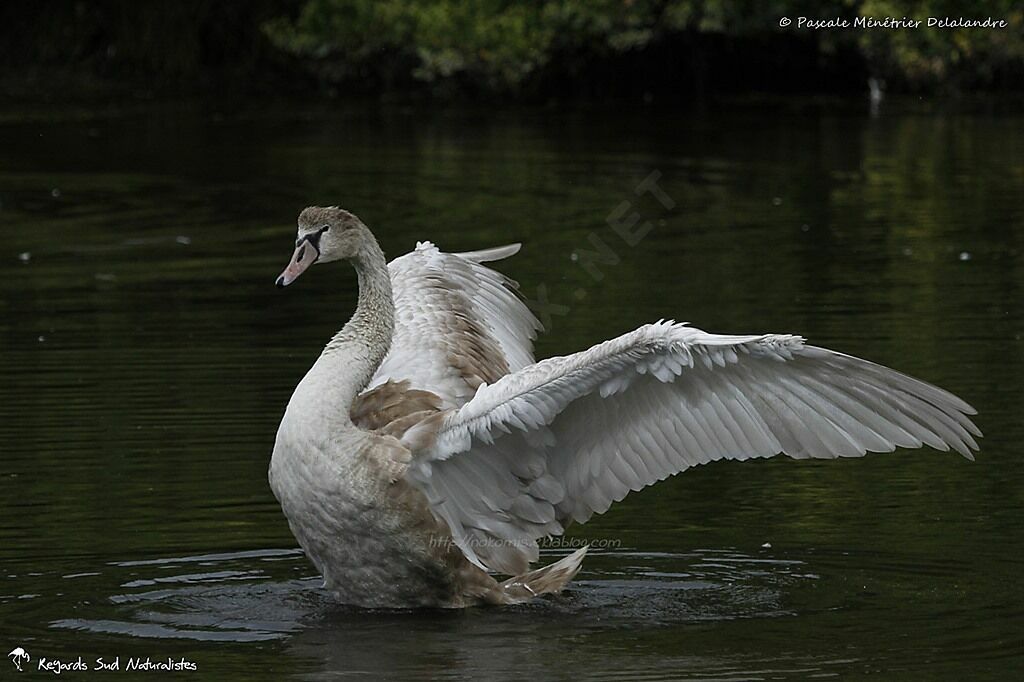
(426,448)
(339,468)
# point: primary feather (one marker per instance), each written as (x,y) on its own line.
(566,437)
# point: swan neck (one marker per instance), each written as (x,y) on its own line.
(366,338)
(324,396)
(375,311)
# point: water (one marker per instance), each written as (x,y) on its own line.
(146,360)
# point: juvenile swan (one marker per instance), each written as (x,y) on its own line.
(426,448)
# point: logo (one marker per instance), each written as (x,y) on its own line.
(18,656)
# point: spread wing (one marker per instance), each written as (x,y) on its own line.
(458,324)
(561,440)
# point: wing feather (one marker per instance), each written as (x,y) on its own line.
(564,438)
(458,323)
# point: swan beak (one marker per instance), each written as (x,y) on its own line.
(304,256)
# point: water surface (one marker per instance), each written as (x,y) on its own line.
(146,360)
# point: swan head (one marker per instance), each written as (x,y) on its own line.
(325,234)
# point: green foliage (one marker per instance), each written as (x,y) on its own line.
(494,42)
(497,45)
(933,57)
(521,48)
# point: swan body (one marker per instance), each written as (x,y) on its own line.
(426,448)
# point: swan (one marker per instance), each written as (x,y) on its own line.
(427,450)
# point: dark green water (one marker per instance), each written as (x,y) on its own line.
(146,359)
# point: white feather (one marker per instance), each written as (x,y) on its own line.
(651,403)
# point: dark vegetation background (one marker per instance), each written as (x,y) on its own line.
(547,50)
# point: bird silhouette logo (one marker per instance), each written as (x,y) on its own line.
(18,656)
